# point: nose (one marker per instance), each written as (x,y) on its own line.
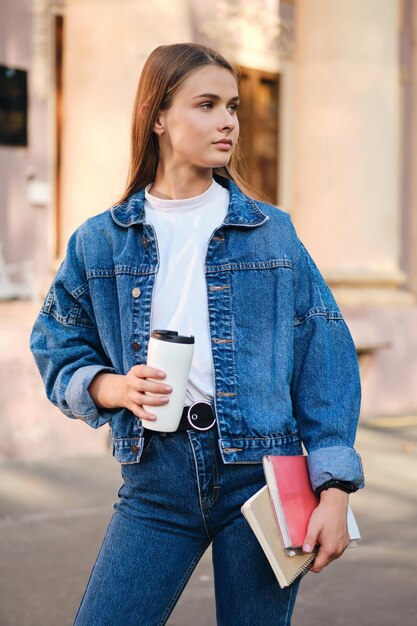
(228,120)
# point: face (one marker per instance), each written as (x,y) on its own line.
(201,128)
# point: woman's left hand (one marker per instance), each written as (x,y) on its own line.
(328,528)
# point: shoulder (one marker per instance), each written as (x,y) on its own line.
(277,216)
(278,225)
(93,234)
(97,224)
(91,245)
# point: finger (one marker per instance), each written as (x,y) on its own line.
(140,399)
(310,539)
(325,556)
(146,371)
(152,387)
(140,412)
(149,417)
(322,559)
(148,400)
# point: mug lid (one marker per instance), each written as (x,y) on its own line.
(172,336)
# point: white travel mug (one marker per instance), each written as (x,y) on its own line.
(172,353)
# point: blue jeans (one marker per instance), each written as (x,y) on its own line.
(173,504)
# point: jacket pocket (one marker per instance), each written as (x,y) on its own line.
(132,449)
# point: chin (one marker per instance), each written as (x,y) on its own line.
(220,162)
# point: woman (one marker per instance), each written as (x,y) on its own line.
(188,249)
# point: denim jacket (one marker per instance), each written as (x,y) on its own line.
(285,365)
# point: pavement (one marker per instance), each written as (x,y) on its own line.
(53,516)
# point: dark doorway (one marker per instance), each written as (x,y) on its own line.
(258,117)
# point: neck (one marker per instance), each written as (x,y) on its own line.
(170,184)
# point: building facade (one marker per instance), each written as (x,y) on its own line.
(329,127)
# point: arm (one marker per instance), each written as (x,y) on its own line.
(78,376)
(326,394)
(65,341)
(325,383)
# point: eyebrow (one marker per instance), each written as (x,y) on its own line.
(214,96)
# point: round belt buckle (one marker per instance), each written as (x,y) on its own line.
(200,416)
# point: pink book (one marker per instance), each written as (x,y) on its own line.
(292,495)
(294,500)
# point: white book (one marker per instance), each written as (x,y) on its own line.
(261,517)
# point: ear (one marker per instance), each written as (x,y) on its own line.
(158,126)
(142,110)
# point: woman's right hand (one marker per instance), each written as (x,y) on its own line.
(128,391)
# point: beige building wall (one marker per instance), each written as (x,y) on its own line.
(347,144)
(23,217)
(30,427)
(410,75)
(105,50)
(347,191)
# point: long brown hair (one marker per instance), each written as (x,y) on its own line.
(165,69)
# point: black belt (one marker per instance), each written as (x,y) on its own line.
(199,416)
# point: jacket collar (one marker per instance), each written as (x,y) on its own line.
(242,211)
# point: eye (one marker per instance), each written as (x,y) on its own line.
(206,106)
(233,107)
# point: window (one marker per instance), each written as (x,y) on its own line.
(13,106)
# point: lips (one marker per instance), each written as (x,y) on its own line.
(227,142)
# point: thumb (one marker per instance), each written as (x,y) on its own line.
(310,539)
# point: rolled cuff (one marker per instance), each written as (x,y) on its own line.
(335,463)
(79,401)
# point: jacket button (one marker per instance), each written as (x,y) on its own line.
(136,346)
(136,292)
(145,242)
(134,449)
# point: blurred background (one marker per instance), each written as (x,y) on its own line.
(329,127)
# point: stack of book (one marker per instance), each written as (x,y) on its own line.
(279,514)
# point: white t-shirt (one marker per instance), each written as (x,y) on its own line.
(183,228)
